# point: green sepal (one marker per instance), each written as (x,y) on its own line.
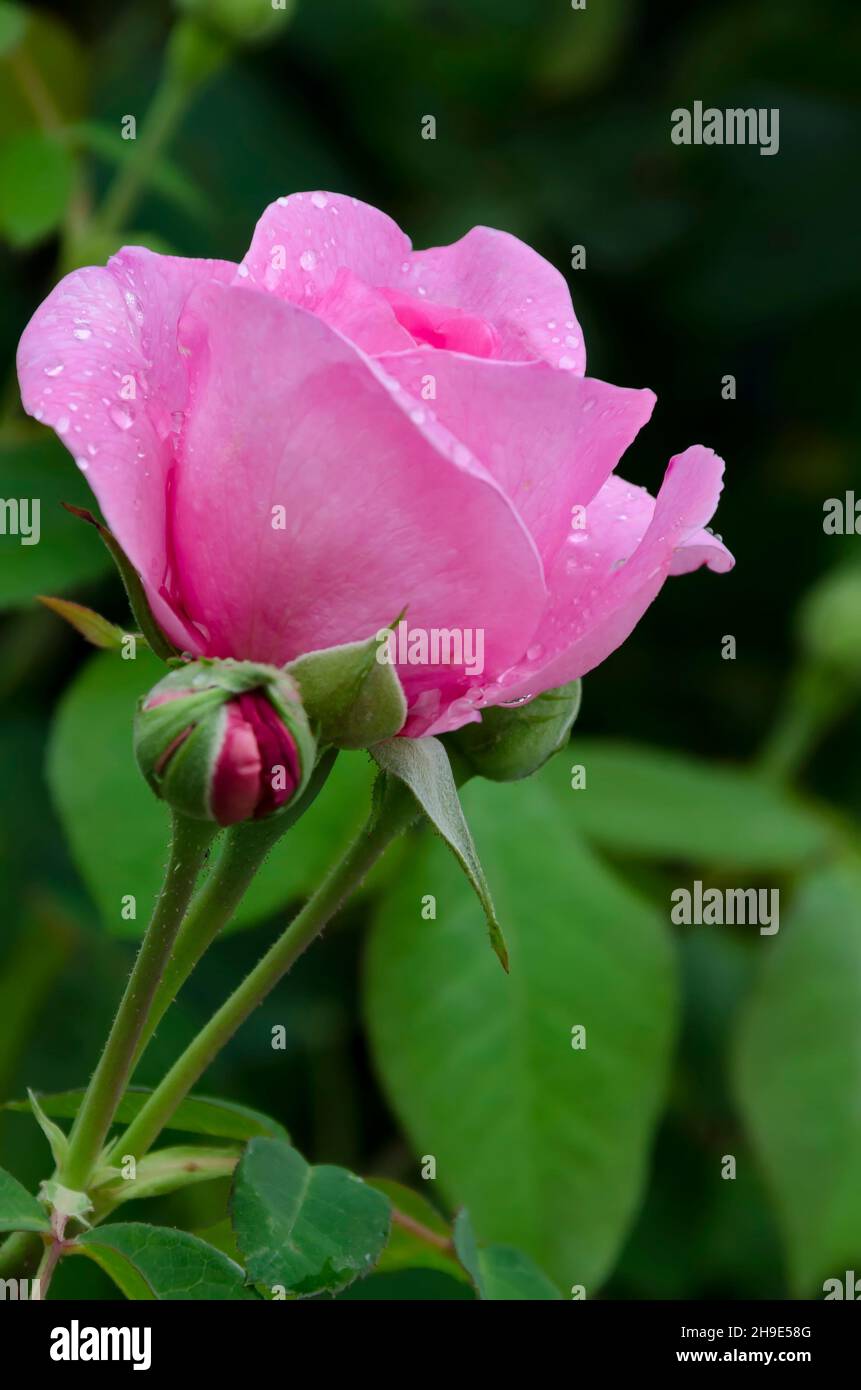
(514,741)
(56,1138)
(352,698)
(203,689)
(421,765)
(137,598)
(65,1201)
(101,632)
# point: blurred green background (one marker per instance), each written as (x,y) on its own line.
(403,1038)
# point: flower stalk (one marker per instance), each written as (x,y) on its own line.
(189,844)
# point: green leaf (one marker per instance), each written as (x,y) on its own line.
(658,804)
(19,1210)
(798,1075)
(423,766)
(43,75)
(36,179)
(223,1119)
(351,698)
(154,1262)
(302,1229)
(168,1170)
(511,743)
(91,625)
(550,1152)
(117,830)
(497,1271)
(41,470)
(414,1219)
(13,24)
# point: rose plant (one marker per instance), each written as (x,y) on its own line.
(294,456)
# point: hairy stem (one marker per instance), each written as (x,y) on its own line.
(189,844)
(397,811)
(245,848)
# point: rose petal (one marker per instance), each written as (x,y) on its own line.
(501,279)
(603,581)
(549,438)
(379,514)
(301,243)
(101,335)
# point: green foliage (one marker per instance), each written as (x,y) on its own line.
(66,554)
(662,805)
(304,1230)
(423,767)
(548,1128)
(224,1119)
(19,1211)
(168,1170)
(798,1076)
(497,1271)
(409,1247)
(152,1262)
(36,176)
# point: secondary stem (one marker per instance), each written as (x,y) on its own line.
(245,848)
(397,812)
(193,55)
(189,844)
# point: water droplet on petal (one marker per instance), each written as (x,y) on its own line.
(566,363)
(62,424)
(54,370)
(319,200)
(82,334)
(307,260)
(122,418)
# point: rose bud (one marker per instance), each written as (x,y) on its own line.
(225,741)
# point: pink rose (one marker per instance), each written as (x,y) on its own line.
(295,450)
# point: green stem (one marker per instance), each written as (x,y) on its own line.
(18,1254)
(815,699)
(189,844)
(245,848)
(194,54)
(397,811)
(165,113)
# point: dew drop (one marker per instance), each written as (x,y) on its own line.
(82,334)
(54,370)
(566,363)
(121,417)
(62,424)
(319,200)
(307,260)
(242,272)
